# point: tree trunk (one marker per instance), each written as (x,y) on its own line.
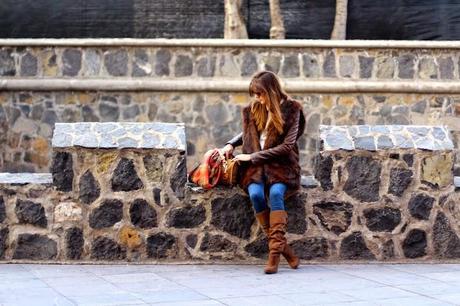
(340,22)
(235,26)
(277,29)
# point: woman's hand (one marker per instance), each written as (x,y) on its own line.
(242,157)
(227,150)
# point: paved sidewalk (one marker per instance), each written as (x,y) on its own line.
(201,285)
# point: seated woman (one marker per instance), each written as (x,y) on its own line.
(272,124)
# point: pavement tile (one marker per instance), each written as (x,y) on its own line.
(316,298)
(431,289)
(418,301)
(369,294)
(267,300)
(170,296)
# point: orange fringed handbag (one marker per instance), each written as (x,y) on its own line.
(214,169)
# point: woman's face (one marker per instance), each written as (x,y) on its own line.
(262,98)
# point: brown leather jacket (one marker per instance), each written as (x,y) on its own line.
(278,160)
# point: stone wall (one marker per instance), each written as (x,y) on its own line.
(212,115)
(393,201)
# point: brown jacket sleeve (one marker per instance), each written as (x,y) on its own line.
(281,149)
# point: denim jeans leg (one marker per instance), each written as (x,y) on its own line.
(277,192)
(257,196)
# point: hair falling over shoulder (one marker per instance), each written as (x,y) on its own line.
(267,83)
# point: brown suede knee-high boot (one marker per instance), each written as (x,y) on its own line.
(264,220)
(277,243)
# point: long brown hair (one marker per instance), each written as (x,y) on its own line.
(267,83)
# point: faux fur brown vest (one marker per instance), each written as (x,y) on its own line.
(282,169)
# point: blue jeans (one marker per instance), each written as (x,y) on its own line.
(276,196)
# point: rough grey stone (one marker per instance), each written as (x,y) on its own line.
(346,66)
(272,63)
(415,244)
(131,112)
(334,216)
(49,117)
(88,115)
(217,113)
(71,62)
(141,66)
(365,143)
(35,247)
(290,68)
(142,214)
(92,62)
(329,65)
(62,171)
(104,248)
(363,178)
(183,66)
(249,64)
(427,69)
(89,189)
(419,107)
(206,66)
(400,179)
(388,250)
(403,142)
(233,215)
(160,245)
(127,142)
(420,206)
(107,214)
(116,62)
(338,141)
(74,243)
(187,217)
(384,142)
(323,170)
(385,68)
(382,219)
(7,67)
(109,112)
(29,65)
(446,243)
(446,68)
(310,66)
(438,133)
(162,59)
(406,64)
(311,248)
(216,243)
(125,177)
(365,66)
(179,178)
(354,247)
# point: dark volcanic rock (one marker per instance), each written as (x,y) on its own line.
(36,247)
(2,210)
(160,245)
(382,219)
(258,248)
(191,240)
(323,171)
(187,217)
(104,248)
(62,171)
(89,188)
(74,243)
(295,208)
(363,179)
(107,214)
(400,179)
(142,214)
(216,243)
(311,248)
(388,250)
(179,178)
(415,244)
(31,213)
(125,177)
(334,216)
(233,215)
(445,241)
(354,247)
(3,241)
(420,206)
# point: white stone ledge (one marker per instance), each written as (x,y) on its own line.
(224,43)
(26,178)
(227,85)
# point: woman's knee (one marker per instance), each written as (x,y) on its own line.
(257,197)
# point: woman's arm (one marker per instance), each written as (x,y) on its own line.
(236,141)
(281,149)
